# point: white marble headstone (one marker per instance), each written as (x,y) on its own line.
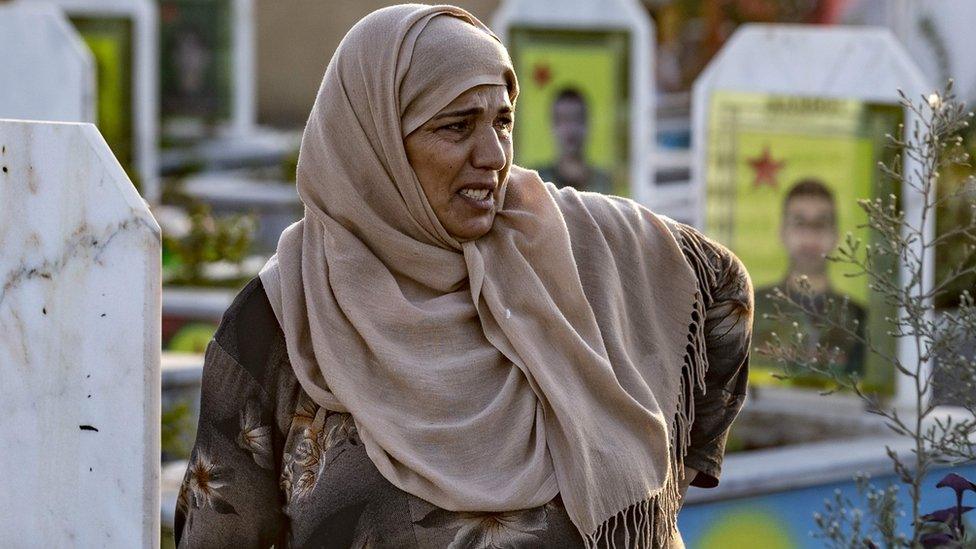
(859,63)
(46,71)
(602,15)
(145,76)
(79,344)
(937,34)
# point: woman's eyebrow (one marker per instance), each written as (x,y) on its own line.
(469,112)
(465,112)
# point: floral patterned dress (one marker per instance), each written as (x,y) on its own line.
(271,468)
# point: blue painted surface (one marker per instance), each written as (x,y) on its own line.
(675,139)
(788,516)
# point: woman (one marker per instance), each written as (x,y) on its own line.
(446,351)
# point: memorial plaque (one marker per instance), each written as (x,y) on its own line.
(197,66)
(586,104)
(574,122)
(788,128)
(122,37)
(110,41)
(783,177)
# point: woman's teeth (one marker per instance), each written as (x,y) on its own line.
(476,194)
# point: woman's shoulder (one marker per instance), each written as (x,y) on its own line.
(249,331)
(720,272)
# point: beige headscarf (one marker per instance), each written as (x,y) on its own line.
(556,354)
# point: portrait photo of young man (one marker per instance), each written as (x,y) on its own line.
(809,233)
(570,130)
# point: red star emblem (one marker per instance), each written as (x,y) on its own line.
(541,75)
(766,169)
(169,13)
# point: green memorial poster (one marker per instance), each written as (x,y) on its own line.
(196,64)
(783,176)
(572,116)
(957,194)
(110,40)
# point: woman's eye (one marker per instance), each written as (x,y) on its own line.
(456,127)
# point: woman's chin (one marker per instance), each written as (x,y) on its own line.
(472,228)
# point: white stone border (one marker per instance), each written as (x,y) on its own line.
(864,63)
(627,15)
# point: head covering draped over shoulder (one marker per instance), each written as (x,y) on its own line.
(556,354)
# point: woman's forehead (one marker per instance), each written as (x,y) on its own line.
(489,97)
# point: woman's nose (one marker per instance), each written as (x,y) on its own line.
(489,150)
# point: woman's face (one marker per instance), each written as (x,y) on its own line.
(461,156)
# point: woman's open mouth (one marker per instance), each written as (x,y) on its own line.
(480,198)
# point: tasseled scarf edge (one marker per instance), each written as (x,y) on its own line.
(653,521)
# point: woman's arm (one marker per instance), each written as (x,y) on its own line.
(230,495)
(690,474)
(728,331)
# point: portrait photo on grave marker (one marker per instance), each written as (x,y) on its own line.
(575,122)
(783,177)
(196,67)
(110,40)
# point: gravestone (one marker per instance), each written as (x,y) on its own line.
(937,35)
(781,105)
(79,344)
(584,64)
(122,36)
(55,74)
(208,90)
(207,79)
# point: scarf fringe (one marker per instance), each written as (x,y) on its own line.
(652,522)
(638,526)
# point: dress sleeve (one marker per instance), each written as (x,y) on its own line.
(728,295)
(230,496)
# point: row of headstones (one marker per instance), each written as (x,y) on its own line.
(203,42)
(841,84)
(79,301)
(934,34)
(100,61)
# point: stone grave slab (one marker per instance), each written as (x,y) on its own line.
(602,54)
(79,344)
(122,35)
(785,105)
(937,35)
